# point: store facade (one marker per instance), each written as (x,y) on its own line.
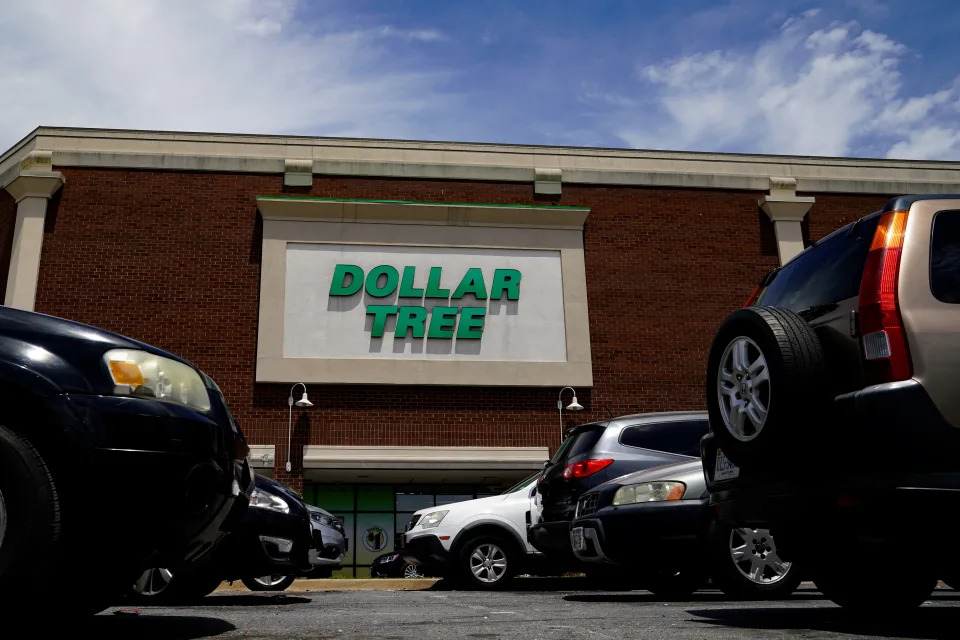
(433,298)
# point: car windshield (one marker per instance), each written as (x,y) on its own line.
(520,485)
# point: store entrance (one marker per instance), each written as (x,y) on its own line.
(375,515)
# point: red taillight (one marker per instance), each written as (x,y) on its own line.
(586,468)
(884,340)
(753,296)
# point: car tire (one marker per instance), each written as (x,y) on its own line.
(268,583)
(766,378)
(487,562)
(29,519)
(878,590)
(745,564)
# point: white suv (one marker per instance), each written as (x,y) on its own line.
(482,542)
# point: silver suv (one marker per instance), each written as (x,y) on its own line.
(833,408)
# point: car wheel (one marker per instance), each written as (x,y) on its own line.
(487,562)
(29,519)
(412,571)
(765,379)
(746,564)
(876,589)
(152,583)
(160,585)
(269,583)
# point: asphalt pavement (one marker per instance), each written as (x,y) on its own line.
(534,610)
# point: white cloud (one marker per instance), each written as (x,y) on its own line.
(833,90)
(223,65)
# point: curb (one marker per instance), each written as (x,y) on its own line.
(347,584)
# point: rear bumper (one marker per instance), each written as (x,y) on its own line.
(551,539)
(644,536)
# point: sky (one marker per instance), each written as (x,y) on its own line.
(865,78)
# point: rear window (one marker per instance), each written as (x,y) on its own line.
(945,257)
(579,443)
(829,272)
(681,438)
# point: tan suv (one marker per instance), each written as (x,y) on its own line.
(834,411)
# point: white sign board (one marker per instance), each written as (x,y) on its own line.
(345,302)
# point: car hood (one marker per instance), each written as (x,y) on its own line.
(467,506)
(690,473)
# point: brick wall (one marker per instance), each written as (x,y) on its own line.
(174,259)
(8,221)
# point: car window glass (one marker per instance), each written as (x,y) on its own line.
(945,257)
(561,451)
(828,273)
(521,484)
(681,438)
(584,441)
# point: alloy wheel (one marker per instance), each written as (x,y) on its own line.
(488,563)
(269,581)
(754,554)
(412,571)
(743,387)
(153,582)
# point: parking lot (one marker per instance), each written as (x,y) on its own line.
(537,609)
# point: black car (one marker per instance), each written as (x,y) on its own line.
(655,529)
(393,565)
(266,551)
(596,452)
(82,408)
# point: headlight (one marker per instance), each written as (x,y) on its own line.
(649,492)
(265,500)
(325,520)
(389,558)
(432,520)
(143,374)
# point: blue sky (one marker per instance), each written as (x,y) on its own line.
(847,77)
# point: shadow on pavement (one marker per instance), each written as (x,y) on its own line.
(234,600)
(534,584)
(640,597)
(926,622)
(147,627)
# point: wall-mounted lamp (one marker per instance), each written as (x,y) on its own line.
(302,402)
(573,406)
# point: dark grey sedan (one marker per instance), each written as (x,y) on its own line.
(656,525)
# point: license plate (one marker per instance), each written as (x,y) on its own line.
(724,469)
(577,536)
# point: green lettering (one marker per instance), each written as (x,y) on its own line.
(505,280)
(373,278)
(380,313)
(433,285)
(411,318)
(471,323)
(472,283)
(442,322)
(339,287)
(407,289)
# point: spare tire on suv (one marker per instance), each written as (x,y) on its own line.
(766,382)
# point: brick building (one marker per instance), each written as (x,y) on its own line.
(512,272)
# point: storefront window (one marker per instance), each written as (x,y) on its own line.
(376,515)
